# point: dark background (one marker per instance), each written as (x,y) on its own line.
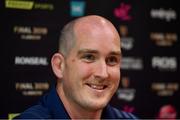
(52,15)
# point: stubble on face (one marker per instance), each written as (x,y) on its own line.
(81,89)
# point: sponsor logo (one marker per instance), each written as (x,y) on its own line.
(122,12)
(27,5)
(126,41)
(32,89)
(125,82)
(164,39)
(30,33)
(31,61)
(125,92)
(19,4)
(165,89)
(11,116)
(167,111)
(164,63)
(43,6)
(161,13)
(130,63)
(77,8)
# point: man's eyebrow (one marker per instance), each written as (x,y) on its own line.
(116,53)
(87,51)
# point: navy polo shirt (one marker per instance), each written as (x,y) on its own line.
(50,106)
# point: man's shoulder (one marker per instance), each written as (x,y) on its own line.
(123,114)
(36,111)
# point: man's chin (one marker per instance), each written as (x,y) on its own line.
(97,106)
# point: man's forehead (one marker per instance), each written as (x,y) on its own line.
(98,29)
(91,20)
(87,24)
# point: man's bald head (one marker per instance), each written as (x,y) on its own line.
(86,25)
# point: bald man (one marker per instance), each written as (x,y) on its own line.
(87,68)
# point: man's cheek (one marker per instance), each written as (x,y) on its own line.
(85,71)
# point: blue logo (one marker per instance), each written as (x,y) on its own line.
(77,8)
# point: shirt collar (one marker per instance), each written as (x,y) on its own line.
(55,105)
(57,109)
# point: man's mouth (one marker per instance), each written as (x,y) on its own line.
(97,87)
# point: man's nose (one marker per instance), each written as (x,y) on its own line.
(101,70)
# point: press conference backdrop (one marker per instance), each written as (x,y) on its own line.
(149,84)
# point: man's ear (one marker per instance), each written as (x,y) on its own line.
(57,63)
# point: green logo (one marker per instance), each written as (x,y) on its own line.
(18,4)
(12,115)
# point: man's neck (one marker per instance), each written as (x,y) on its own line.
(76,114)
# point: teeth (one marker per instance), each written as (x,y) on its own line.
(99,87)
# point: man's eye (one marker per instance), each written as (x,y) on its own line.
(88,57)
(113,60)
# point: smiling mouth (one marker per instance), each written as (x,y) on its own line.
(97,87)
